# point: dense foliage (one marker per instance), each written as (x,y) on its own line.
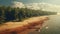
(18,14)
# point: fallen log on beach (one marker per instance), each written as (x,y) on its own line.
(23,27)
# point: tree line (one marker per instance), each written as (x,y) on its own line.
(18,14)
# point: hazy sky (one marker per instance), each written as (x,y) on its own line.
(45,1)
(8,2)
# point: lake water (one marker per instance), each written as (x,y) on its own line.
(53,26)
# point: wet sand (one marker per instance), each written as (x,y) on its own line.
(23,27)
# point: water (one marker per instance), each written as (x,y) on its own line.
(53,26)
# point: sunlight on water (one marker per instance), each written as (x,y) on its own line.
(46,27)
(58,13)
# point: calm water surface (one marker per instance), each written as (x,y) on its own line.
(53,26)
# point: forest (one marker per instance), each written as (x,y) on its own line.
(18,14)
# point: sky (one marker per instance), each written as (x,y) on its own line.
(9,2)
